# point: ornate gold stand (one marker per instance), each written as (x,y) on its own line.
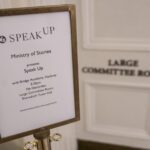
(43,140)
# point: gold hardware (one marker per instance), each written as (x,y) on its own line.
(34,144)
(30,145)
(55,137)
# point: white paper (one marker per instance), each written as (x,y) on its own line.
(36,76)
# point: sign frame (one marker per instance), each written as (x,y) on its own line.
(50,9)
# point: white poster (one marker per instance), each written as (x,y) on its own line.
(36,75)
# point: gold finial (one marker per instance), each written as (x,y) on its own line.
(55,137)
(30,145)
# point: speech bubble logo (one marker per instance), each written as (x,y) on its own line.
(2,39)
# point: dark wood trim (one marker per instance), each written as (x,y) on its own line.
(89,145)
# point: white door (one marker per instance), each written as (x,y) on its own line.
(114,73)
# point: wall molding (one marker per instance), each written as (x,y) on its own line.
(5,4)
(113,130)
(29,3)
(91,42)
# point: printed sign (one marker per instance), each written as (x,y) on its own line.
(38,63)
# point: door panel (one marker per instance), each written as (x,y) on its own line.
(115,100)
(116,25)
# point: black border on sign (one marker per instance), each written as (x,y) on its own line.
(50,9)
